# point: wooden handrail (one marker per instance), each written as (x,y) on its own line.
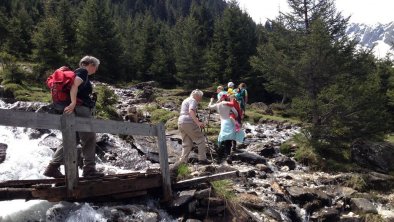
(70,124)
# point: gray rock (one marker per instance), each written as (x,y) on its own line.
(193,220)
(212,202)
(374,155)
(326,215)
(203,193)
(379,181)
(285,161)
(250,158)
(37,133)
(304,196)
(183,198)
(142,85)
(269,211)
(362,205)
(346,192)
(3,151)
(268,151)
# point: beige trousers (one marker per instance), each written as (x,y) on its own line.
(190,133)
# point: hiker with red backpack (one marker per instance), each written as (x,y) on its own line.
(71,92)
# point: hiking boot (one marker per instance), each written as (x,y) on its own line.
(52,170)
(91,172)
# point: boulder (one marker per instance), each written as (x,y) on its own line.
(304,196)
(3,151)
(142,85)
(250,158)
(362,205)
(326,215)
(262,107)
(37,133)
(285,161)
(183,198)
(373,155)
(379,181)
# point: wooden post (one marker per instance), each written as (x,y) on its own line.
(164,166)
(70,152)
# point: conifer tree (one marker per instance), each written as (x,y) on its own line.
(97,36)
(49,45)
(189,55)
(233,43)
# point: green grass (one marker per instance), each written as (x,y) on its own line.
(356,182)
(183,172)
(390,138)
(254,116)
(224,189)
(162,115)
(28,92)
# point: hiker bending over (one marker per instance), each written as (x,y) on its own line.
(227,136)
(190,128)
(82,105)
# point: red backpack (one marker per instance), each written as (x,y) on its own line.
(60,83)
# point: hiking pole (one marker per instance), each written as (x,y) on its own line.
(204,131)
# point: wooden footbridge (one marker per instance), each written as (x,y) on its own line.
(72,187)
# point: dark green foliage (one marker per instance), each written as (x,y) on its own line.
(105,105)
(189,54)
(49,45)
(98,36)
(10,71)
(234,41)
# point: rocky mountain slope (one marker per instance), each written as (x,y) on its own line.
(380,35)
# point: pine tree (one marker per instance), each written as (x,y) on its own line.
(233,43)
(189,55)
(49,45)
(3,26)
(18,42)
(97,36)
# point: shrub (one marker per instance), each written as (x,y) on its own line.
(172,123)
(356,182)
(106,99)
(183,172)
(162,115)
(224,189)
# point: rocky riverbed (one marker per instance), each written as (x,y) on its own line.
(269,187)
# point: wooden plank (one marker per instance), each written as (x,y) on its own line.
(51,121)
(115,127)
(27,183)
(96,189)
(15,193)
(129,195)
(70,152)
(164,166)
(29,119)
(198,180)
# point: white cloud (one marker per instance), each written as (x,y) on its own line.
(370,12)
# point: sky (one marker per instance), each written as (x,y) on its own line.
(361,11)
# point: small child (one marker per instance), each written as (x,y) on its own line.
(236,119)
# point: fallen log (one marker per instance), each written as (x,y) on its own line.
(195,181)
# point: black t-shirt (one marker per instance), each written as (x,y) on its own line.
(85,89)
